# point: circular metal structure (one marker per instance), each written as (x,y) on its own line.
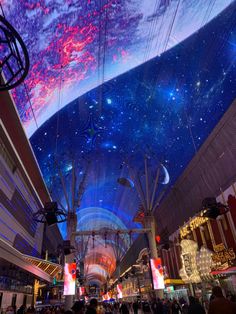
(50,214)
(14,58)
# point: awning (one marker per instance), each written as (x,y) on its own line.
(50,268)
(228,271)
(10,254)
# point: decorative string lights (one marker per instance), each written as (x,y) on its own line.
(189,272)
(205,263)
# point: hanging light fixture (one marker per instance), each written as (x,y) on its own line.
(14,58)
(50,214)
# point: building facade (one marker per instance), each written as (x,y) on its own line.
(22,193)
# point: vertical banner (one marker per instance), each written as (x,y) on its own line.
(81,291)
(119,291)
(69,278)
(157,274)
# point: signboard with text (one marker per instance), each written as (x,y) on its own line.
(222,256)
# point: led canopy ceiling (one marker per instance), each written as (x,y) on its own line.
(171,67)
(75,46)
(100,254)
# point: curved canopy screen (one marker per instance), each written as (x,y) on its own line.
(75,46)
(112,81)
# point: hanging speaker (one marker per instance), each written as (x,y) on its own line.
(66,247)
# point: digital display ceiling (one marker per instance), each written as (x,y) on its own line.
(169,105)
(171,67)
(75,46)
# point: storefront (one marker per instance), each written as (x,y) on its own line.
(22,277)
(206,246)
(175,288)
(202,269)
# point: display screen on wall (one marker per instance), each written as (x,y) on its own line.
(69,278)
(157,273)
(119,291)
(81,291)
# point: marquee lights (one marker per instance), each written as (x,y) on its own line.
(223,256)
(205,263)
(192,225)
(198,265)
(189,272)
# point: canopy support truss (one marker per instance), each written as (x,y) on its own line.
(110,232)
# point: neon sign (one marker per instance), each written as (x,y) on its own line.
(192,225)
(222,255)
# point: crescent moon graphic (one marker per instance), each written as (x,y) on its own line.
(167,177)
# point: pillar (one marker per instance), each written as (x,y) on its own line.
(69,299)
(71,228)
(149,222)
(35,291)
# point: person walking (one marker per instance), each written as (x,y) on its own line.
(92,309)
(78,307)
(157,306)
(176,308)
(219,304)
(21,309)
(124,309)
(135,307)
(195,307)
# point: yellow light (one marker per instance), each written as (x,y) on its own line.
(193,224)
(189,272)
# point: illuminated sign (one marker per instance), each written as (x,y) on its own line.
(187,261)
(81,291)
(106,296)
(69,278)
(119,291)
(157,273)
(222,256)
(189,272)
(192,225)
(169,289)
(205,263)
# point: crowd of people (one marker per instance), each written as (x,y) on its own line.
(218,305)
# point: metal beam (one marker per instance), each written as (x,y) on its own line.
(108,232)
